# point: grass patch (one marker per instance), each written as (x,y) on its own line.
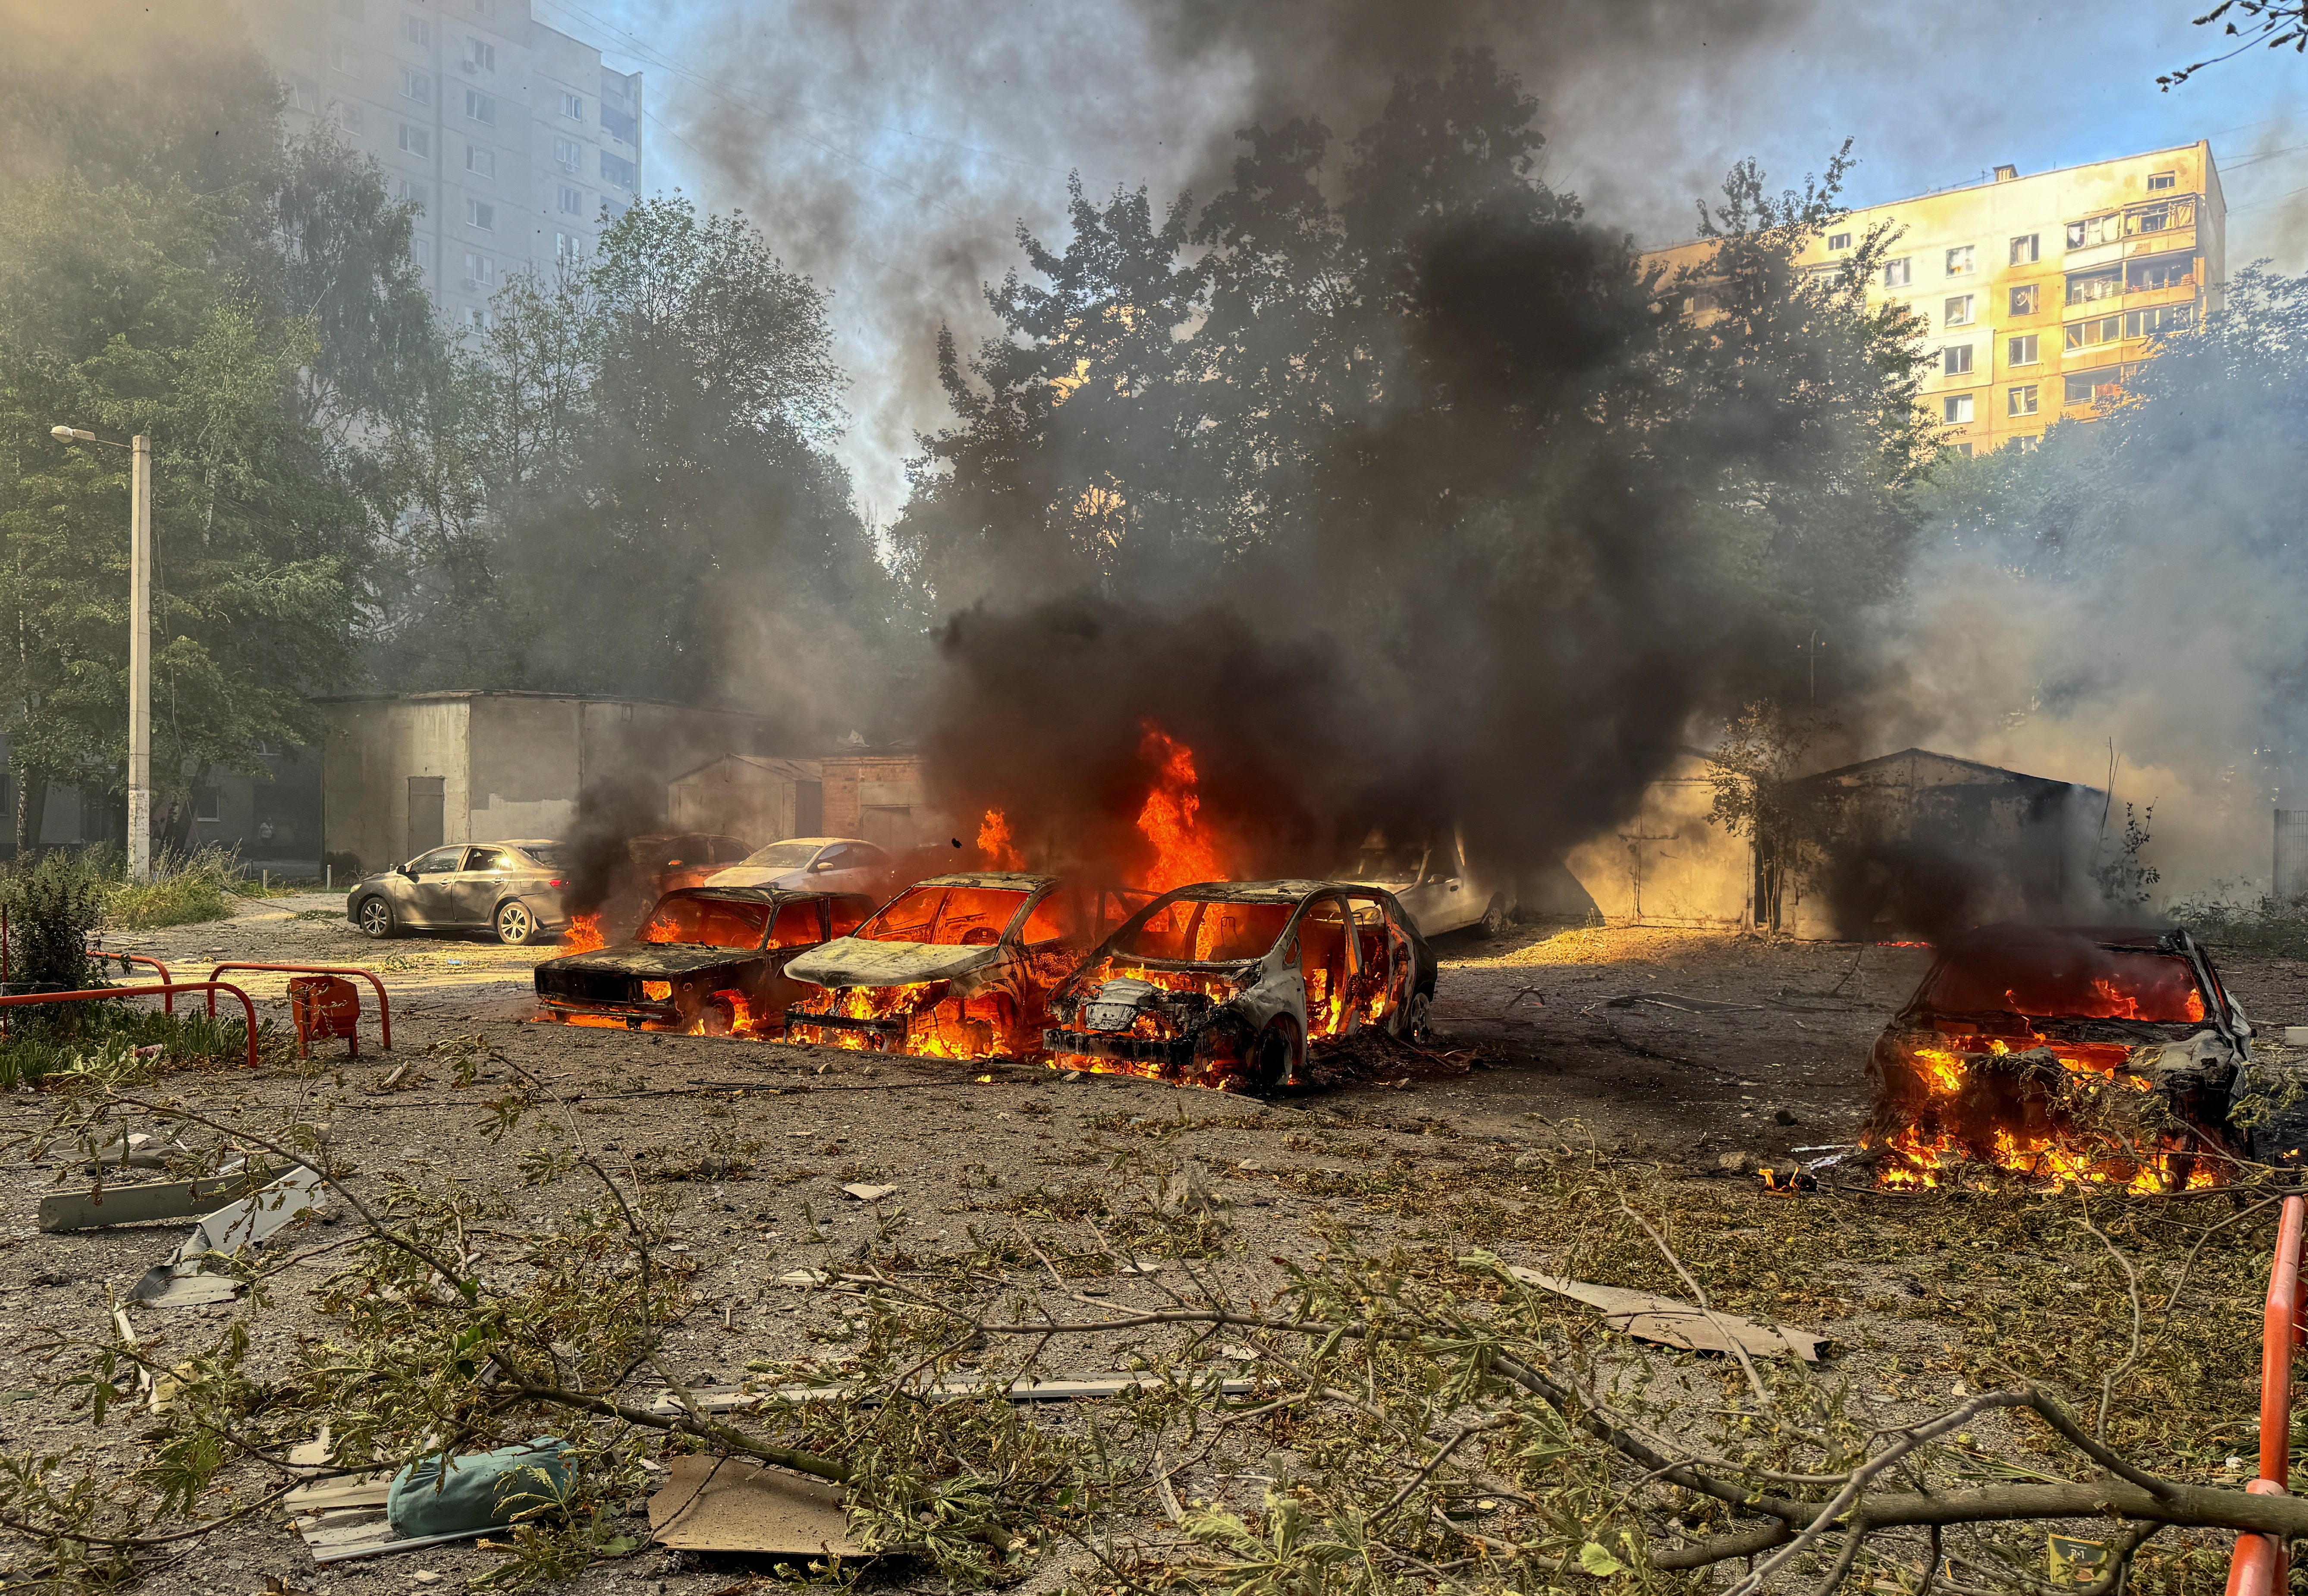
(43,1041)
(184,891)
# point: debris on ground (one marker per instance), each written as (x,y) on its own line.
(1671,1322)
(734,1505)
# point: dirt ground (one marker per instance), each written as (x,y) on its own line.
(1665,1047)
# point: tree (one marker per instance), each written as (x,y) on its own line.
(2274,23)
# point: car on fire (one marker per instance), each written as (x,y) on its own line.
(705,960)
(1438,882)
(1229,983)
(958,966)
(512,888)
(1984,1062)
(812,864)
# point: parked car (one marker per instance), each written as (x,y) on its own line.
(1229,983)
(812,864)
(1435,881)
(645,868)
(710,960)
(512,888)
(954,966)
(1969,1067)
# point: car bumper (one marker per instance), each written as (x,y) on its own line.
(1177,1052)
(633,1014)
(893,1029)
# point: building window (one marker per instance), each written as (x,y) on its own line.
(617,170)
(1899,273)
(2157,322)
(1958,261)
(2020,351)
(344,55)
(567,155)
(302,97)
(481,214)
(2027,445)
(1961,450)
(1955,360)
(2163,217)
(478,320)
(1839,240)
(1958,311)
(2023,299)
(567,246)
(1955,409)
(417,30)
(480,56)
(2020,401)
(411,193)
(480,271)
(417,86)
(2086,286)
(619,125)
(415,141)
(572,106)
(349,117)
(2159,181)
(208,806)
(2094,387)
(479,162)
(2105,329)
(481,108)
(2024,249)
(2095,230)
(2162,272)
(572,201)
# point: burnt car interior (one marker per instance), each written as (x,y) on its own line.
(946,916)
(2065,977)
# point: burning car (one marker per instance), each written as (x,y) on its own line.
(954,966)
(709,961)
(1229,983)
(2085,1053)
(1435,880)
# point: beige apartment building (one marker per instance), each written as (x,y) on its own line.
(2039,296)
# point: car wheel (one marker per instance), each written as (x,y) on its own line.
(1421,1026)
(719,1017)
(1277,1049)
(1495,920)
(515,924)
(374,917)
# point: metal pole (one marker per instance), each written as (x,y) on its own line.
(140,662)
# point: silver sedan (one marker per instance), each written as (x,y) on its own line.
(512,888)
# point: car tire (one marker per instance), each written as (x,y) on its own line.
(1419,1020)
(516,923)
(1271,1060)
(374,917)
(1495,918)
(718,1016)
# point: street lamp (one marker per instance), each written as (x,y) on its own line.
(140,642)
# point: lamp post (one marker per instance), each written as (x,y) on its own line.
(140,642)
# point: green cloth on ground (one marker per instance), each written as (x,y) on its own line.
(478,1491)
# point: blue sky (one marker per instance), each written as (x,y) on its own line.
(889,150)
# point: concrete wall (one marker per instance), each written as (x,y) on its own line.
(525,767)
(374,746)
(1668,865)
(879,796)
(761,800)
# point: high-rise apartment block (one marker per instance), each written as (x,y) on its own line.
(2039,296)
(511,137)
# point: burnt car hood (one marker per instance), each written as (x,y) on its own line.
(647,958)
(854,961)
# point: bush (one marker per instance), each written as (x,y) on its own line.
(43,1041)
(2270,927)
(53,908)
(183,891)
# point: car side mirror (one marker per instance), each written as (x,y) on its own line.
(818,867)
(408,870)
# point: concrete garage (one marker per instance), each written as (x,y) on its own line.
(406,773)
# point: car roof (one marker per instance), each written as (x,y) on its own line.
(1287,890)
(820,841)
(757,895)
(512,842)
(1010,880)
(2017,934)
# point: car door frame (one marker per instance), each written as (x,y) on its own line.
(469,885)
(426,894)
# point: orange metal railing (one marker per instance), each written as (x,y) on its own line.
(383,1005)
(2262,1564)
(31,999)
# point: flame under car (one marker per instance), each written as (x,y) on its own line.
(954,966)
(2101,1054)
(706,959)
(1227,984)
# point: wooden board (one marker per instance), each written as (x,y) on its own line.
(732,1504)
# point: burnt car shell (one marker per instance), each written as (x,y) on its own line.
(1323,962)
(705,983)
(2143,1004)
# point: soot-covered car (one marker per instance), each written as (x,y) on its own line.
(954,966)
(1983,1062)
(1230,982)
(712,960)
(512,888)
(1435,881)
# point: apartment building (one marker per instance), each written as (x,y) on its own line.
(2039,296)
(511,137)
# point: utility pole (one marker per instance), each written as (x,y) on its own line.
(139,660)
(139,641)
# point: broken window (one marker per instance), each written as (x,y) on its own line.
(2105,329)
(708,922)
(2085,287)
(2023,299)
(2157,322)
(2161,271)
(479,162)
(2095,229)
(2025,249)
(1054,920)
(2020,351)
(1899,273)
(1958,311)
(2094,387)
(1960,261)
(2020,401)
(1955,409)
(797,924)
(946,916)
(1955,360)
(2161,219)
(481,215)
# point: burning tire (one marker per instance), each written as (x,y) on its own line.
(516,926)
(718,1016)
(374,917)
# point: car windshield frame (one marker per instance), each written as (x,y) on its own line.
(1027,898)
(2111,979)
(747,909)
(1120,944)
(760,860)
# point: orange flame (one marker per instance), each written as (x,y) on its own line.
(1184,852)
(584,934)
(996,848)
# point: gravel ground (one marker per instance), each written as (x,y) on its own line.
(1664,1047)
